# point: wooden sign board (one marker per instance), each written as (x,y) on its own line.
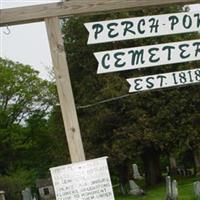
(165,80)
(89,180)
(148,56)
(142,27)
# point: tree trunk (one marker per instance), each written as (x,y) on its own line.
(196,155)
(124,176)
(151,159)
(173,165)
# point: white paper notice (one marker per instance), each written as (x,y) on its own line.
(88,180)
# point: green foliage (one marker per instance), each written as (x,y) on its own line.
(15,182)
(48,145)
(138,119)
(27,141)
(166,121)
(21,92)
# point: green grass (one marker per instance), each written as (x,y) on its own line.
(158,193)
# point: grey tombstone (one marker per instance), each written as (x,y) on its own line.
(171,189)
(190,172)
(168,188)
(167,170)
(35,197)
(122,189)
(136,173)
(26,194)
(2,195)
(197,189)
(181,171)
(135,189)
(174,190)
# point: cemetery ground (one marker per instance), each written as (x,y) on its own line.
(185,186)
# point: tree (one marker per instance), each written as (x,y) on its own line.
(190,125)
(48,144)
(22,93)
(145,125)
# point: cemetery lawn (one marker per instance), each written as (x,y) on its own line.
(185,187)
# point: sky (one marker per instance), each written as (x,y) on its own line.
(28,44)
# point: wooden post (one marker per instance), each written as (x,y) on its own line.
(64,89)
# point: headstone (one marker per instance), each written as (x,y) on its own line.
(168,188)
(181,171)
(35,196)
(136,173)
(167,170)
(122,189)
(83,180)
(26,194)
(171,189)
(135,189)
(174,190)
(190,172)
(2,195)
(197,189)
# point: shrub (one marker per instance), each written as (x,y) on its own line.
(15,182)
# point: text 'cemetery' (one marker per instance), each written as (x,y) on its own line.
(152,55)
(148,56)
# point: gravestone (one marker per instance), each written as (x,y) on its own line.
(136,173)
(197,189)
(171,189)
(2,195)
(190,172)
(167,170)
(34,198)
(174,190)
(26,194)
(135,189)
(122,189)
(181,171)
(168,188)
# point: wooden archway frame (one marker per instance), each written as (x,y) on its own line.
(51,14)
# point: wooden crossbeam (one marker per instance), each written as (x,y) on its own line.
(21,15)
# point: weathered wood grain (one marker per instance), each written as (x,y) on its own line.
(37,13)
(65,90)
